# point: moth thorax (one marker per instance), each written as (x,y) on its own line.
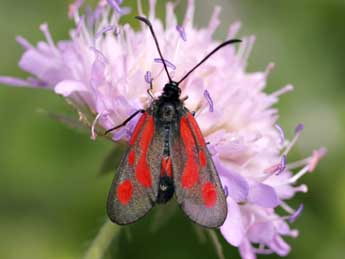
(167,112)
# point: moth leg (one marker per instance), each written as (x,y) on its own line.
(125,122)
(193,113)
(149,91)
(151,85)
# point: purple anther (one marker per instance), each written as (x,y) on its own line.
(115,4)
(226,191)
(167,62)
(281,133)
(299,128)
(282,165)
(296,214)
(182,32)
(209,100)
(104,30)
(148,77)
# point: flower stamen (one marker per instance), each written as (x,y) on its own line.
(214,22)
(269,68)
(297,213)
(281,133)
(298,130)
(79,26)
(167,62)
(302,172)
(74,7)
(182,32)
(115,4)
(263,251)
(316,157)
(287,208)
(298,164)
(99,55)
(310,161)
(281,91)
(24,43)
(226,191)
(105,29)
(277,168)
(44,28)
(148,77)
(209,100)
(282,165)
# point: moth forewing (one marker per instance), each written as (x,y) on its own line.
(134,188)
(197,185)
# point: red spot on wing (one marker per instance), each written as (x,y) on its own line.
(196,129)
(131,157)
(202,158)
(190,173)
(142,171)
(209,194)
(125,192)
(137,129)
(166,167)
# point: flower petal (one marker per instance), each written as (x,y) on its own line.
(279,246)
(246,250)
(67,87)
(263,195)
(233,229)
(13,81)
(237,186)
(261,232)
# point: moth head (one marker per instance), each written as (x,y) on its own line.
(171,90)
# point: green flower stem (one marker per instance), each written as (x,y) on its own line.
(216,243)
(100,244)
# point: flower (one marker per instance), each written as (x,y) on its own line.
(105,69)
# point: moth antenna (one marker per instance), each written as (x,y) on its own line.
(148,23)
(228,42)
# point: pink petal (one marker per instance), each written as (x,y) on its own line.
(261,232)
(263,195)
(236,185)
(44,66)
(279,246)
(67,87)
(13,81)
(246,250)
(233,229)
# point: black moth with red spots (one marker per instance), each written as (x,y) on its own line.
(167,154)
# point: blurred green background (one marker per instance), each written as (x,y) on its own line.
(52,200)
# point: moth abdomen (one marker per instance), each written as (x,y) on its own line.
(166,189)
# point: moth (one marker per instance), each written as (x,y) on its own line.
(167,155)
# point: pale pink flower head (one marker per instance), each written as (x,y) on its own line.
(105,69)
